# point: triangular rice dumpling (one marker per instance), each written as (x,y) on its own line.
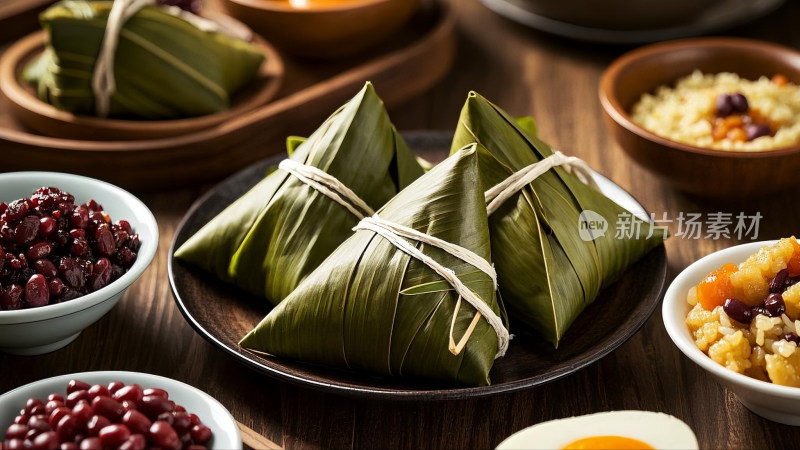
(164,66)
(268,240)
(371,307)
(546,271)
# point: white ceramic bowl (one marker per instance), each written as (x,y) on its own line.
(773,402)
(41,330)
(210,411)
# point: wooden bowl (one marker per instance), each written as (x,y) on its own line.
(701,171)
(46,119)
(323,32)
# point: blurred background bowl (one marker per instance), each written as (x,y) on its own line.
(45,329)
(771,401)
(330,29)
(226,433)
(701,171)
(619,14)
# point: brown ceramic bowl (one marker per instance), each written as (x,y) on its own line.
(324,31)
(696,170)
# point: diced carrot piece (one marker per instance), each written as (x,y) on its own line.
(793,265)
(779,79)
(734,121)
(716,287)
(755,115)
(737,134)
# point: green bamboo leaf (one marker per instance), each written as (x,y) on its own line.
(550,280)
(164,66)
(354,310)
(277,233)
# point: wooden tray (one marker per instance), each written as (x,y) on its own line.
(410,63)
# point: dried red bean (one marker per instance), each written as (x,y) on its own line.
(26,230)
(157,391)
(67,428)
(77,385)
(36,291)
(774,305)
(135,442)
(11,297)
(40,423)
(47,225)
(738,311)
(74,397)
(114,386)
(46,441)
(153,405)
(83,412)
(15,444)
(34,406)
(91,443)
(101,275)
(132,393)
(56,415)
(163,435)
(56,287)
(69,446)
(136,422)
(109,408)
(39,250)
(46,268)
(55,398)
(16,431)
(201,434)
(97,390)
(114,435)
(95,424)
(778,284)
(16,210)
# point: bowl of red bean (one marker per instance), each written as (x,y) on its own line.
(114,410)
(69,248)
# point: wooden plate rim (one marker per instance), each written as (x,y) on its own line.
(274,369)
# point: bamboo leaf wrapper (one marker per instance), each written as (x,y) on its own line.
(278,232)
(372,308)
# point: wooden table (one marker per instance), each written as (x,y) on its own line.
(527,73)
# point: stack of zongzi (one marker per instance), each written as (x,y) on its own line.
(277,233)
(381,303)
(135,59)
(550,279)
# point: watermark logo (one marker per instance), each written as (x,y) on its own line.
(591,225)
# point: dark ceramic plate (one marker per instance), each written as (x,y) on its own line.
(222,314)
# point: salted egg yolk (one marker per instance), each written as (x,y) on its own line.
(607,443)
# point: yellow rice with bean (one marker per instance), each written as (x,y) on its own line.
(695,112)
(747,317)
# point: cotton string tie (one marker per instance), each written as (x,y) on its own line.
(497,195)
(329,186)
(397,234)
(103,83)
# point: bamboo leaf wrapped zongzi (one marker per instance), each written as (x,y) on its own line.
(411,293)
(163,65)
(548,273)
(283,228)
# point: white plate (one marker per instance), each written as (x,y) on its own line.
(211,412)
(725,14)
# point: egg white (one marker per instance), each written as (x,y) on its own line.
(658,430)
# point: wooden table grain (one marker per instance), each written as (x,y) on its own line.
(527,73)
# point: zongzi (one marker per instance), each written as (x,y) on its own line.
(268,240)
(548,270)
(135,59)
(411,293)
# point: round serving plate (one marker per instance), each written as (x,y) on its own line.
(46,119)
(222,314)
(721,15)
